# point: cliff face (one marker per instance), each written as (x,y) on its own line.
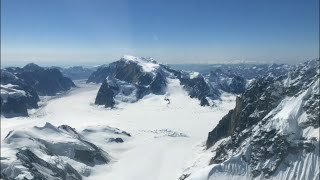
(105,95)
(250,108)
(227,124)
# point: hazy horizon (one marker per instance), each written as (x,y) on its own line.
(92,32)
(90,64)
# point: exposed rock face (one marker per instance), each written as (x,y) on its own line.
(46,81)
(247,104)
(158,85)
(16,96)
(131,78)
(273,130)
(105,95)
(100,75)
(49,152)
(198,88)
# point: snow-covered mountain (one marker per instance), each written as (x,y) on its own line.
(131,78)
(273,132)
(51,152)
(46,81)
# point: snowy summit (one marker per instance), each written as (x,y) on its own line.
(148,64)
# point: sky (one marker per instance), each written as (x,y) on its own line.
(171,31)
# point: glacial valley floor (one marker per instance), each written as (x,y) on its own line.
(165,139)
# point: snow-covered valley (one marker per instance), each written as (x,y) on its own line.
(165,138)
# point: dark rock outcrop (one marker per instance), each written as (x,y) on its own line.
(102,72)
(117,140)
(13,105)
(105,95)
(16,96)
(159,84)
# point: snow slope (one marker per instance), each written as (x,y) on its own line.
(165,138)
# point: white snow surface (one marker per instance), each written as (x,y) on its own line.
(194,75)
(165,138)
(147,64)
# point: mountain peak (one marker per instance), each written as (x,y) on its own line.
(135,58)
(32,67)
(147,64)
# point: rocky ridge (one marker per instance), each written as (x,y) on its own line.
(51,152)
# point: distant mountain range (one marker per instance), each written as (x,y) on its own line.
(247,71)
(77,72)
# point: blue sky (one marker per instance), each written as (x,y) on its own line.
(171,31)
